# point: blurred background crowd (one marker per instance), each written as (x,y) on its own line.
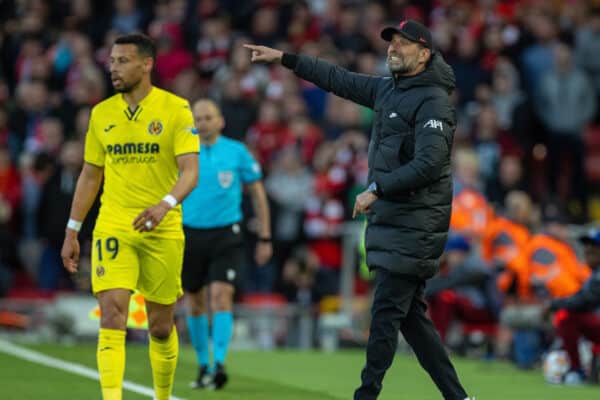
(526,153)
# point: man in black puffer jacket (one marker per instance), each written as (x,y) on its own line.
(409,197)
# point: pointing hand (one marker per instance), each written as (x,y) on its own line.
(264,53)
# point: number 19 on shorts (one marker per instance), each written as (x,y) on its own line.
(108,247)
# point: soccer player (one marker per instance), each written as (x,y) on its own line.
(213,244)
(142,142)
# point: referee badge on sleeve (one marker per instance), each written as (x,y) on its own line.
(225,179)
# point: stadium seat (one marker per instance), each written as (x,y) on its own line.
(263,300)
(262,313)
(18,293)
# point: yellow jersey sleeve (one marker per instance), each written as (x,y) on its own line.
(94,151)
(185,138)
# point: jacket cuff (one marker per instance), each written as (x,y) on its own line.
(379,191)
(289,60)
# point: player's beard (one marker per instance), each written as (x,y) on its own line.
(126,88)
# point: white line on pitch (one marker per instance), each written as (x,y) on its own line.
(77,369)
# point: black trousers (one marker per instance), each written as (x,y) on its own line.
(398,305)
(572,146)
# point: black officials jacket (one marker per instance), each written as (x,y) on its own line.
(586,299)
(409,158)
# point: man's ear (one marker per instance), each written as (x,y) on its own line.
(425,55)
(148,64)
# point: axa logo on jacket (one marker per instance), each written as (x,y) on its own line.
(434,123)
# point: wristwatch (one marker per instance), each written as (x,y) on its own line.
(374,188)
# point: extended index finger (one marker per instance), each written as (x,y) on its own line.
(251,46)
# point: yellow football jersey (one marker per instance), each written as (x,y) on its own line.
(138,150)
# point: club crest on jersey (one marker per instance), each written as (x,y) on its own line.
(100,271)
(225,179)
(155,127)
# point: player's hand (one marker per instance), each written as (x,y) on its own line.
(70,251)
(263,253)
(264,53)
(363,202)
(149,219)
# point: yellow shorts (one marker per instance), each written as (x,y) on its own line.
(133,260)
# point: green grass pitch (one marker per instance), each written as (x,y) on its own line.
(279,375)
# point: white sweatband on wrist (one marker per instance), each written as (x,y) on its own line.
(171,200)
(74,225)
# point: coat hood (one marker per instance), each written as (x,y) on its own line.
(437,73)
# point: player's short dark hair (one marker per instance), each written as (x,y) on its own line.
(145,45)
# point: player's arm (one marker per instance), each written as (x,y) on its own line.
(264,247)
(188,177)
(86,191)
(359,88)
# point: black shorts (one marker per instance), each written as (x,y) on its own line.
(211,255)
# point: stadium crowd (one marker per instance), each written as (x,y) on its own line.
(526,150)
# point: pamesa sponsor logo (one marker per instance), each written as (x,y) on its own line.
(133,148)
(133,153)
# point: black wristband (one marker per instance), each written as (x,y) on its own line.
(289,60)
(265,240)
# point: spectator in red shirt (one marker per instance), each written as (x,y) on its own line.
(10,183)
(172,57)
(268,134)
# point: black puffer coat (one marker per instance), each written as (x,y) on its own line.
(409,158)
